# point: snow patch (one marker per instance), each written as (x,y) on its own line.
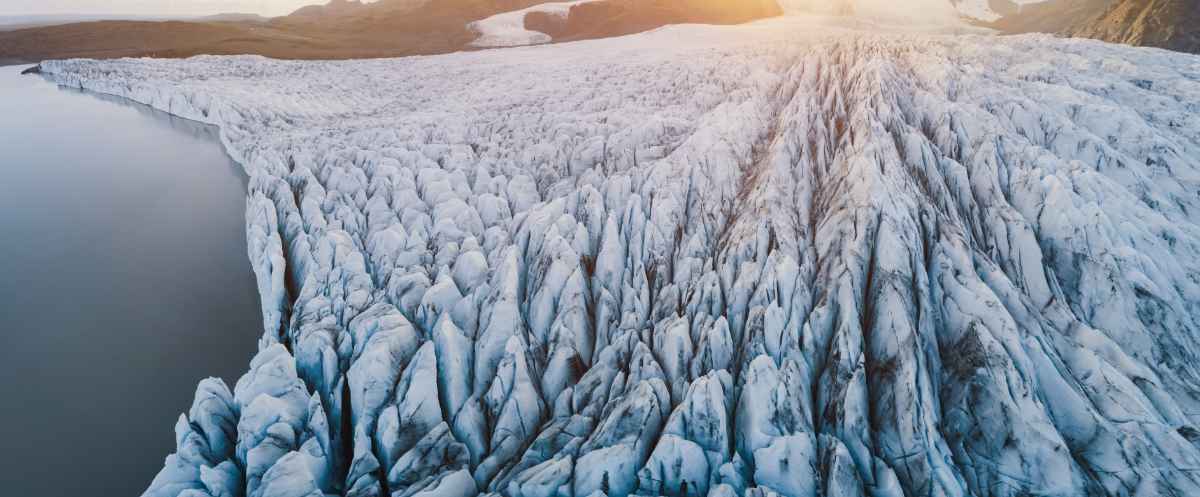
(507,29)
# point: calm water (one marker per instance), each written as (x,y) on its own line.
(123,281)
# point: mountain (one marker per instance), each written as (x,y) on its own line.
(8,23)
(916,12)
(1170,24)
(338,30)
(32,21)
(342,29)
(997,10)
(101,39)
(331,10)
(234,17)
(791,258)
(1050,16)
(589,19)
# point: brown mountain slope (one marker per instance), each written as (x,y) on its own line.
(1052,16)
(143,38)
(345,29)
(1170,24)
(620,17)
(338,31)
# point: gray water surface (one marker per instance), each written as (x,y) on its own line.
(124,280)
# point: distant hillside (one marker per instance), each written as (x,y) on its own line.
(171,39)
(1170,24)
(343,29)
(233,17)
(9,23)
(1052,16)
(338,30)
(335,8)
(605,18)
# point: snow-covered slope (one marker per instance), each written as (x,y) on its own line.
(508,29)
(912,11)
(783,258)
(976,9)
(994,10)
(903,12)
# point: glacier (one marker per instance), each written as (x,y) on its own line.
(796,257)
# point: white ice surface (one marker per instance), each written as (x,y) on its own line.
(977,9)
(707,261)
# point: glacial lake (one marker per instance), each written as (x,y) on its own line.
(124,281)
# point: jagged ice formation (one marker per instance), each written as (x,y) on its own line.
(784,258)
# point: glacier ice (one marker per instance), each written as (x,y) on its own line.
(786,258)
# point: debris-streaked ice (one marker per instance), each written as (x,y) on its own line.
(785,258)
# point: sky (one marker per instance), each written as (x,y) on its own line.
(151,7)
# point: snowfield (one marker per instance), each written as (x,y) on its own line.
(507,29)
(784,258)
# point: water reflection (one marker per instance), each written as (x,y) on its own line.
(194,129)
(123,281)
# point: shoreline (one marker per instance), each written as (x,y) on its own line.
(143,196)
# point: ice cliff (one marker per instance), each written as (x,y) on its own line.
(784,259)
